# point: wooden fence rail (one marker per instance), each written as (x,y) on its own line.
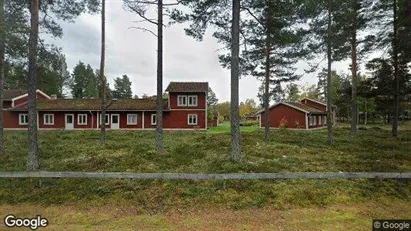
(225,176)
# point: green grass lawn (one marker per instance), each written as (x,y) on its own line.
(373,150)
(224,127)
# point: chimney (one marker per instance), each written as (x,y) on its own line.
(53,96)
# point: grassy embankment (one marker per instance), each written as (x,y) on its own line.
(345,201)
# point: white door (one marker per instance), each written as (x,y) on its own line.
(115,121)
(69,118)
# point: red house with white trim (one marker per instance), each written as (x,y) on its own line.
(306,114)
(186,109)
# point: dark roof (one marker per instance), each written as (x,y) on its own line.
(298,106)
(187,87)
(318,101)
(10,94)
(93,105)
(305,107)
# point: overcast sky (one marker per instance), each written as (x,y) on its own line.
(133,52)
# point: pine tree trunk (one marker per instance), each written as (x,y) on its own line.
(33,161)
(354,106)
(235,50)
(366,112)
(2,54)
(267,81)
(396,76)
(159,113)
(329,87)
(102,77)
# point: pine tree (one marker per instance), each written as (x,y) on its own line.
(352,21)
(292,92)
(381,86)
(103,80)
(392,22)
(79,81)
(225,17)
(85,83)
(322,85)
(140,8)
(211,98)
(325,39)
(91,83)
(2,56)
(33,159)
(20,37)
(272,56)
(235,75)
(276,93)
(122,88)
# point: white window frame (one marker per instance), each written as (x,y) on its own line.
(153,116)
(310,120)
(107,121)
(50,118)
(128,120)
(325,120)
(192,115)
(182,97)
(78,119)
(320,120)
(193,97)
(315,120)
(23,115)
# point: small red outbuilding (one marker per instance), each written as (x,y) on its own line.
(306,114)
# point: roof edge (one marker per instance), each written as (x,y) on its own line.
(27,94)
(284,103)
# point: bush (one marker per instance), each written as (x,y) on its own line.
(283,123)
(249,123)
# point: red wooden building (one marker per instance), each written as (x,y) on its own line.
(186,108)
(306,114)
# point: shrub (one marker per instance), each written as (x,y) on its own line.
(249,123)
(220,119)
(298,124)
(283,123)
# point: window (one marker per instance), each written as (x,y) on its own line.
(69,119)
(182,100)
(153,119)
(48,119)
(319,120)
(131,119)
(314,120)
(325,120)
(82,119)
(192,100)
(115,119)
(23,119)
(192,119)
(107,119)
(310,120)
